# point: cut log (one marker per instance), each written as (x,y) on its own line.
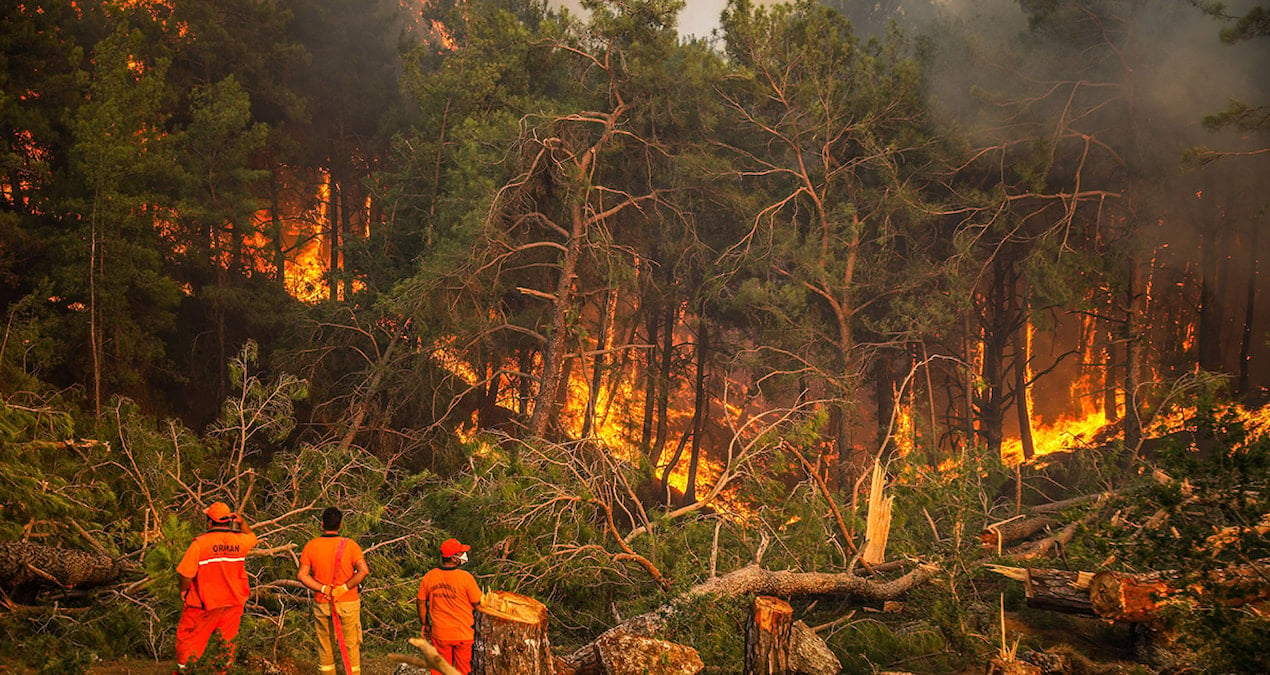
(633,655)
(808,653)
(1133,598)
(1056,590)
(997,536)
(511,636)
(767,636)
(1139,598)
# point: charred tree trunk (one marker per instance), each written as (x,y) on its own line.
(598,363)
(650,383)
(275,230)
(663,379)
(1022,357)
(702,405)
(767,637)
(995,334)
(1250,303)
(511,636)
(333,238)
(1109,407)
(1132,424)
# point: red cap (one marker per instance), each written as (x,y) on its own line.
(218,512)
(452,547)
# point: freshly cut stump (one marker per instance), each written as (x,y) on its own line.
(634,655)
(511,636)
(767,636)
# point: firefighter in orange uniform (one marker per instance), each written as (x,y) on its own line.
(213,576)
(447,596)
(332,566)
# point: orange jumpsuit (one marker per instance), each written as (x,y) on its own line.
(451,594)
(320,555)
(216,561)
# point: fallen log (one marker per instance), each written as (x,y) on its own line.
(997,536)
(1132,598)
(26,567)
(752,580)
(1140,598)
(767,636)
(511,636)
(1064,591)
(634,655)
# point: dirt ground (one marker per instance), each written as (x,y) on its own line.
(372,664)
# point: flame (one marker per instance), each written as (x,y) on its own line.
(904,434)
(443,35)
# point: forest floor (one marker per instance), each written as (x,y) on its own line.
(1109,645)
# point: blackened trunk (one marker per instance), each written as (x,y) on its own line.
(702,409)
(650,383)
(1250,303)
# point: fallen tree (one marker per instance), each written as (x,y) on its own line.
(751,580)
(26,568)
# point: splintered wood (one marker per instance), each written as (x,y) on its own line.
(878,528)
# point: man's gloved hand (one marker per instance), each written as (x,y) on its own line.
(339,591)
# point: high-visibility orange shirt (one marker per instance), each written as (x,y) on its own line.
(451,594)
(217,562)
(320,554)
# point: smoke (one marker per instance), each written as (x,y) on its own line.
(698,19)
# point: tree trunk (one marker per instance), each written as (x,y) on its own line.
(1132,424)
(1022,353)
(754,580)
(1064,591)
(1250,303)
(995,333)
(511,636)
(702,406)
(621,654)
(333,237)
(996,537)
(767,637)
(650,384)
(275,231)
(1133,598)
(597,364)
(808,653)
(1109,407)
(663,380)
(25,568)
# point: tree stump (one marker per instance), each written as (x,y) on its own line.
(633,655)
(511,636)
(767,637)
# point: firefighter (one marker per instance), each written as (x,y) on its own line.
(213,582)
(332,567)
(446,599)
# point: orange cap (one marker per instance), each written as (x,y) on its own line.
(218,512)
(452,547)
